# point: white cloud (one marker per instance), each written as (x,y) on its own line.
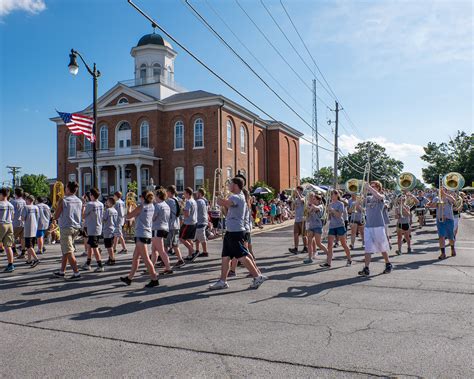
(30,6)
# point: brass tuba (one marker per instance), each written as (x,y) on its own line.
(453,181)
(406,181)
(353,186)
(58,193)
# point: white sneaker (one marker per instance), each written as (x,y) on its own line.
(257,282)
(99,269)
(86,267)
(219,285)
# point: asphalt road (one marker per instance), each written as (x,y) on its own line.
(303,322)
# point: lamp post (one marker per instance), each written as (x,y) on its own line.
(74,69)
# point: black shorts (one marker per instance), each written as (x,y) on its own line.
(108,242)
(93,241)
(248,238)
(30,242)
(215,222)
(159,233)
(359,223)
(234,245)
(143,240)
(187,232)
(404,227)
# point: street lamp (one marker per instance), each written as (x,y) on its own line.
(74,69)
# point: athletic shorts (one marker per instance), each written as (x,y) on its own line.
(187,232)
(316,230)
(420,211)
(18,232)
(40,233)
(358,223)
(30,242)
(144,240)
(338,232)
(404,227)
(375,240)
(159,233)
(299,228)
(6,235)
(234,245)
(66,239)
(108,242)
(93,241)
(446,229)
(201,234)
(172,240)
(215,221)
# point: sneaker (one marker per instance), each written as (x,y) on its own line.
(219,285)
(152,283)
(388,268)
(39,252)
(351,246)
(22,255)
(194,256)
(442,256)
(110,262)
(99,269)
(58,274)
(171,252)
(258,281)
(365,272)
(308,261)
(166,272)
(409,250)
(348,263)
(74,276)
(293,250)
(398,252)
(86,267)
(231,274)
(453,252)
(203,255)
(160,264)
(126,280)
(123,251)
(325,265)
(9,268)
(305,250)
(28,263)
(35,263)
(179,264)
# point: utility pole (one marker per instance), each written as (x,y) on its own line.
(315,146)
(14,170)
(336,131)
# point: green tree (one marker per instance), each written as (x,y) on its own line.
(266,197)
(36,185)
(323,176)
(133,186)
(455,155)
(381,164)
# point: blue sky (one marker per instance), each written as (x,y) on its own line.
(402,70)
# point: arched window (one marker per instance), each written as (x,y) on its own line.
(156,70)
(179,135)
(243,138)
(198,177)
(230,127)
(198,133)
(87,145)
(72,146)
(144,134)
(124,126)
(122,100)
(143,72)
(179,179)
(104,137)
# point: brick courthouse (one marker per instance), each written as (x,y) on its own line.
(148,127)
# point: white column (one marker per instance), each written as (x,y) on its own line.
(139,178)
(79,179)
(117,178)
(124,186)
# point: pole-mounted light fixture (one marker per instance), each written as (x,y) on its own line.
(73,66)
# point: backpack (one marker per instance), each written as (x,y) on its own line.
(178,208)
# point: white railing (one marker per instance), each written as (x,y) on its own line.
(106,153)
(152,80)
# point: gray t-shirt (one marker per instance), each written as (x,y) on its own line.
(144,221)
(386,219)
(120,208)
(71,214)
(374,212)
(30,216)
(422,201)
(313,219)
(93,216)
(18,205)
(190,206)
(6,212)
(161,216)
(248,220)
(44,216)
(202,215)
(173,221)
(447,211)
(401,218)
(356,215)
(235,219)
(336,221)
(110,222)
(299,209)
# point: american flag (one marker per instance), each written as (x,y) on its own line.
(79,124)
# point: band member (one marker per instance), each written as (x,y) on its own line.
(160,229)
(457,214)
(110,224)
(356,219)
(29,217)
(68,213)
(299,228)
(43,223)
(337,230)
(314,223)
(18,203)
(188,229)
(234,245)
(421,208)
(375,236)
(402,214)
(118,236)
(143,234)
(202,222)
(172,240)
(6,227)
(93,215)
(444,221)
